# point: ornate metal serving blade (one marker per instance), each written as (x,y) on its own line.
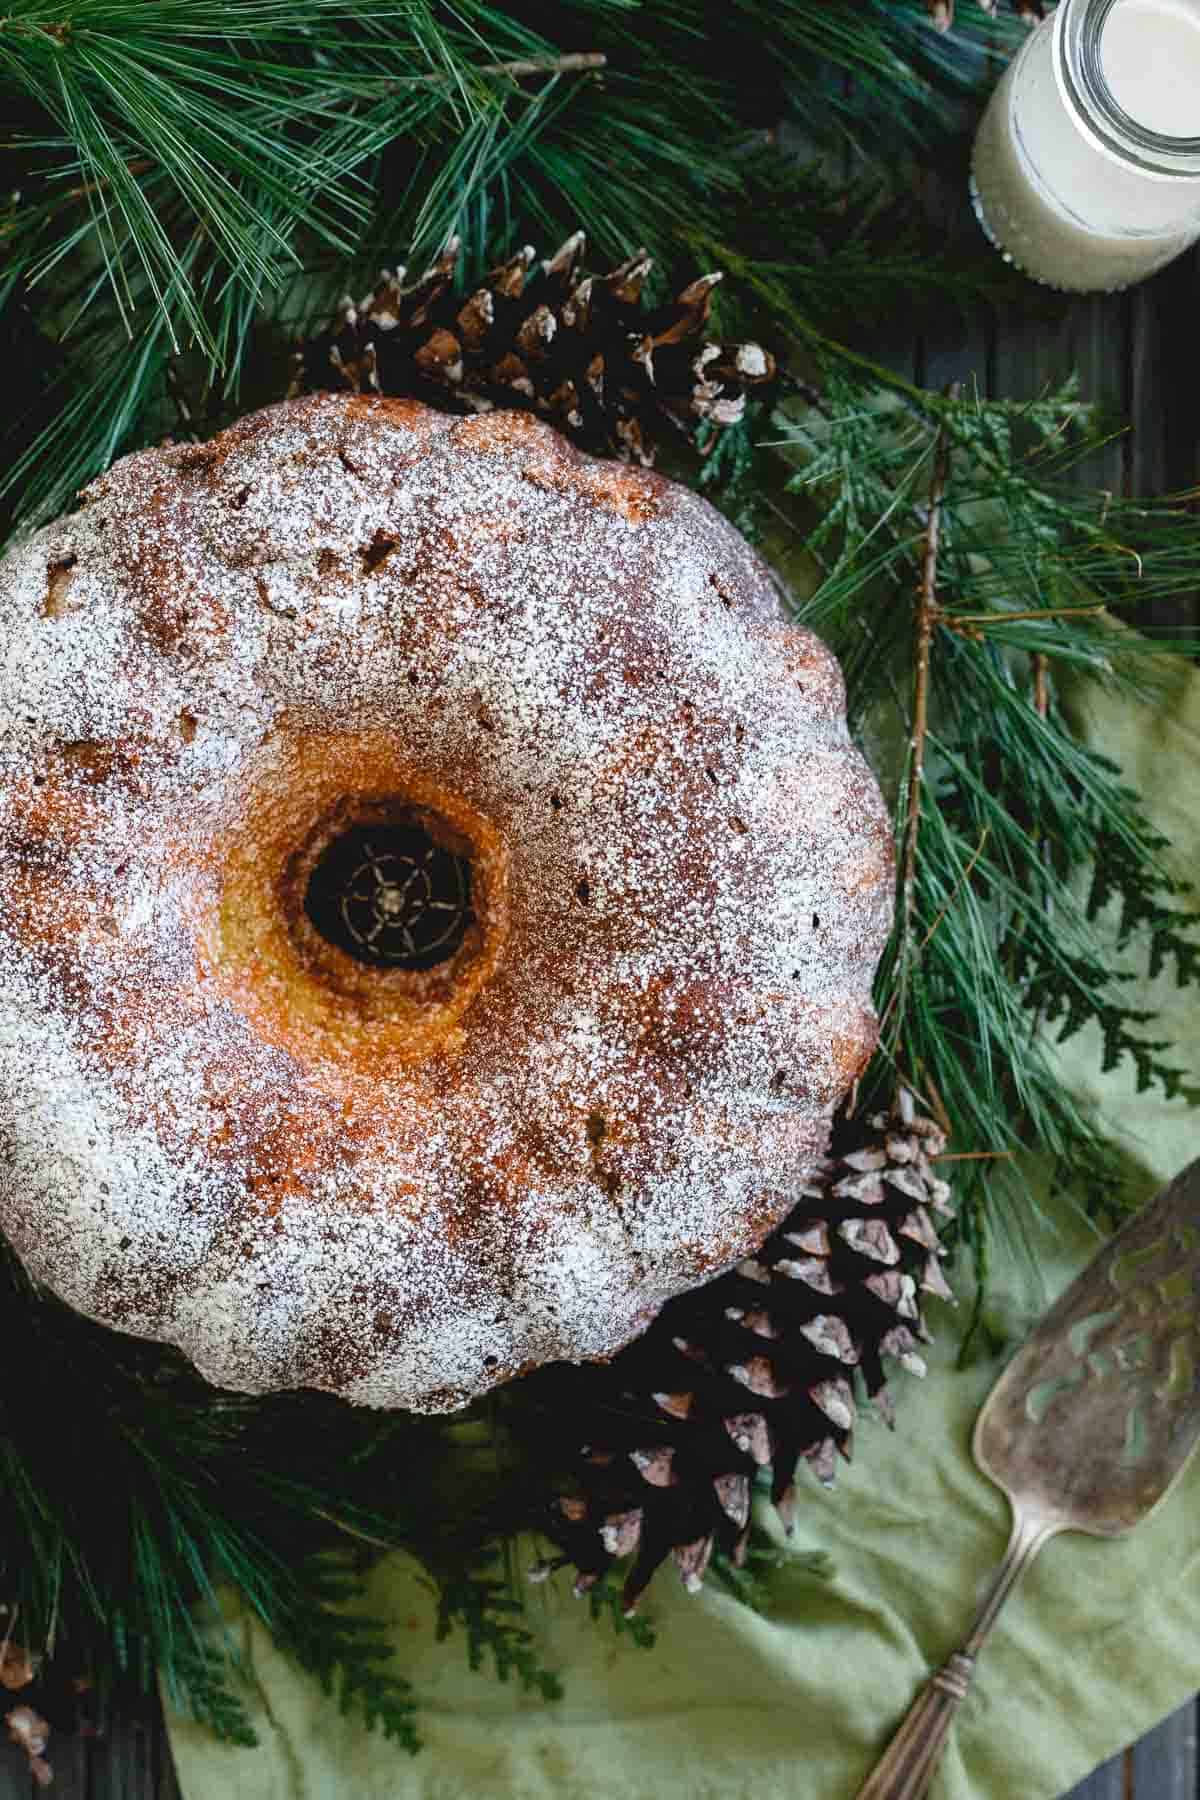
(1098,1412)
(1085,1431)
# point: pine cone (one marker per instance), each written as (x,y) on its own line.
(754,1370)
(581,351)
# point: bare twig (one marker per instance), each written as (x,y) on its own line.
(972,1155)
(927,613)
(965,621)
(547,65)
(574,63)
(354,1531)
(1041,706)
(57,33)
(958,886)
(927,1088)
(571,63)
(140,165)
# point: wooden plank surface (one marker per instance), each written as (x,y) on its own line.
(1108,1783)
(1161,1767)
(130,1761)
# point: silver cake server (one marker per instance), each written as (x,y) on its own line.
(1085,1430)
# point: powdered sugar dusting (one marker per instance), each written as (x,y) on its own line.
(700,887)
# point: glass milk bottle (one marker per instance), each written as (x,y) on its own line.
(1086,172)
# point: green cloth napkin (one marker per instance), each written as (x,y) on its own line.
(1098,1642)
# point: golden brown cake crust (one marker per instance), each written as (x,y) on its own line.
(219,1129)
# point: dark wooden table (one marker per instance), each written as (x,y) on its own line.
(1161,1767)
(1135,354)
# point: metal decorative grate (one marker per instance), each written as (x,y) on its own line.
(391,897)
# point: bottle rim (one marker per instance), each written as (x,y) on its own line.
(1079,70)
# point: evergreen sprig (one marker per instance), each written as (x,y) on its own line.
(488,1610)
(962,579)
(349,1654)
(204,1679)
(150,123)
(174,167)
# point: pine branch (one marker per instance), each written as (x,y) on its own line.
(180,174)
(236,124)
(1006,866)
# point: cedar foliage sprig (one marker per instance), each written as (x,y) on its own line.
(488,1609)
(750,1580)
(203,1679)
(350,1653)
(605,1601)
(175,165)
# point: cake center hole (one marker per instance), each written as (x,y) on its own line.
(389,896)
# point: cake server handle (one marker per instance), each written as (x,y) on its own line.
(908,1764)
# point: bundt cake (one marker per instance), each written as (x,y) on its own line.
(438,900)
